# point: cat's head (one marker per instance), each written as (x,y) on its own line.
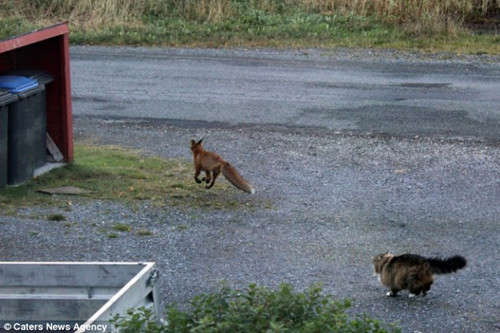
(379,261)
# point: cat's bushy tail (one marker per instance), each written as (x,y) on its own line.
(448,265)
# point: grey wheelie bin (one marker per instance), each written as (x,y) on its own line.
(6,98)
(40,114)
(27,120)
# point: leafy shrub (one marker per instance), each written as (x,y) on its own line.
(255,309)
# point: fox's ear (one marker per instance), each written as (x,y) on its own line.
(201,140)
(193,142)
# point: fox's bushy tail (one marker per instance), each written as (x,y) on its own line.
(448,265)
(235,178)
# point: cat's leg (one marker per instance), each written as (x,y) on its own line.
(392,293)
(426,288)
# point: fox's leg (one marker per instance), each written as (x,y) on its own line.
(206,179)
(197,171)
(215,173)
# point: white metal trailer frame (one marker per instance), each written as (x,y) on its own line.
(41,291)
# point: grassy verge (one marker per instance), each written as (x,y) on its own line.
(113,173)
(417,25)
(281,31)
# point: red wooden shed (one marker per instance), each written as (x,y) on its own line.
(47,50)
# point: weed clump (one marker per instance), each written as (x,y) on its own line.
(56,217)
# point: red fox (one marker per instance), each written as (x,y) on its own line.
(213,164)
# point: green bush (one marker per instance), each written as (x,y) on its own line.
(255,309)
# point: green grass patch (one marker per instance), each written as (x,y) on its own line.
(113,173)
(121,227)
(144,232)
(284,31)
(180,227)
(11,26)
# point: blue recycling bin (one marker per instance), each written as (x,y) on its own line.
(41,77)
(6,98)
(27,123)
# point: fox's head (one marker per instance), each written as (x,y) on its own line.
(196,145)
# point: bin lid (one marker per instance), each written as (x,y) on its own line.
(6,97)
(35,74)
(17,84)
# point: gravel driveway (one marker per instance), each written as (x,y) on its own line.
(337,200)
